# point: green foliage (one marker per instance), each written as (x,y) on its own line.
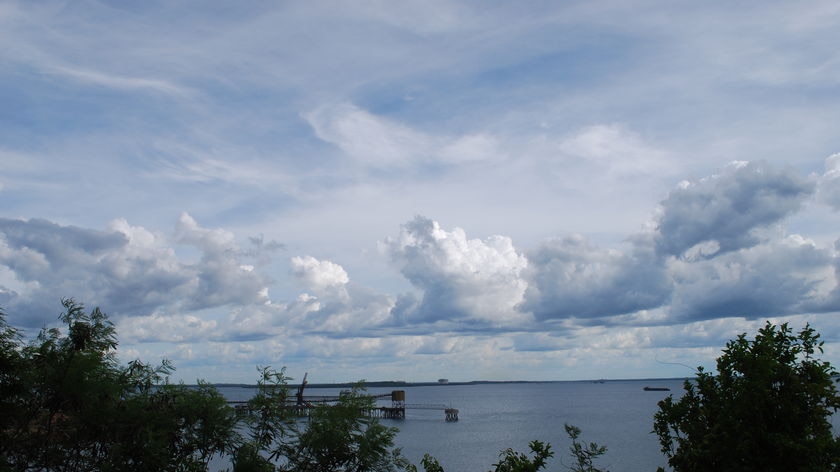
(337,437)
(429,463)
(342,437)
(12,387)
(512,461)
(767,409)
(248,459)
(271,424)
(584,455)
(509,460)
(68,405)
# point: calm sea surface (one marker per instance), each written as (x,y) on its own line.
(493,417)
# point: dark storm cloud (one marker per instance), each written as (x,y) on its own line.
(726,211)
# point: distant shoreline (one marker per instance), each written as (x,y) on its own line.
(400,383)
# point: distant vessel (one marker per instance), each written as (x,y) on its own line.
(443,381)
(657,389)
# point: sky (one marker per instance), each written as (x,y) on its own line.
(415,190)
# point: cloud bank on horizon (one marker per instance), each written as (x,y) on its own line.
(567,191)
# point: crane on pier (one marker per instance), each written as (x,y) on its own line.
(300,390)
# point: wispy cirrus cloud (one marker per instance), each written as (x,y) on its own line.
(121,82)
(378,142)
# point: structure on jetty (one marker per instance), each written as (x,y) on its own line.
(303,405)
(398,407)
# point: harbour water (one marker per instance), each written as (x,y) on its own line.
(617,414)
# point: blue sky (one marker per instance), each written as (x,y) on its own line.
(415,190)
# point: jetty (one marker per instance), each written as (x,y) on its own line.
(394,411)
(398,407)
(302,405)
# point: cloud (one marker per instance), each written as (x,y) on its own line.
(465,280)
(728,211)
(829,182)
(781,277)
(471,148)
(615,151)
(734,259)
(332,305)
(221,277)
(120,82)
(319,275)
(570,277)
(156,295)
(423,17)
(127,270)
(463,284)
(52,261)
(177,328)
(327,125)
(378,142)
(367,138)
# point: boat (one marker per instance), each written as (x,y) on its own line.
(657,389)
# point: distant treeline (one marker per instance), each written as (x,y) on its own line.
(401,383)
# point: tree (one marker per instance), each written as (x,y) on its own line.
(68,405)
(337,437)
(344,437)
(767,409)
(429,463)
(270,424)
(584,454)
(509,460)
(512,461)
(11,388)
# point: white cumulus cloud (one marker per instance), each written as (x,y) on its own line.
(318,274)
(461,278)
